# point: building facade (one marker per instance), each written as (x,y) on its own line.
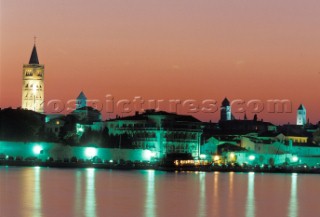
(160,132)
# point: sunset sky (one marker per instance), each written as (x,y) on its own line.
(167,49)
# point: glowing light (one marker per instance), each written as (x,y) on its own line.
(37,149)
(110,161)
(147,155)
(216,158)
(47,119)
(79,128)
(90,152)
(232,155)
(203,156)
(252,157)
(295,159)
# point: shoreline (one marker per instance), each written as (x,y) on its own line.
(145,166)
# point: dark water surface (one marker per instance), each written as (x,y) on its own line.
(47,192)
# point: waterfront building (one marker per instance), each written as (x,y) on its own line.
(160,132)
(301,115)
(33,84)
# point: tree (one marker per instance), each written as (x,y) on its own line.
(21,125)
(93,137)
(68,133)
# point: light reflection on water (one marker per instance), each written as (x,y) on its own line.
(293,203)
(90,204)
(250,206)
(230,194)
(78,193)
(215,207)
(150,202)
(28,192)
(31,199)
(202,194)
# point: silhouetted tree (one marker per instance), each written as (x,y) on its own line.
(92,137)
(68,134)
(21,125)
(316,137)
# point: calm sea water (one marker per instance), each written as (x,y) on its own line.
(47,192)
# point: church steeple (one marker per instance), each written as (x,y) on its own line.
(81,100)
(34,56)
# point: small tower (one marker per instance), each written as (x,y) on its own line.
(33,84)
(81,100)
(301,115)
(225,110)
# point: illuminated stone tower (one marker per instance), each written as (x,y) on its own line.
(225,110)
(33,84)
(301,115)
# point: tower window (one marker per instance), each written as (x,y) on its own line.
(29,73)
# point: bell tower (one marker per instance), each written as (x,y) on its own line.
(33,84)
(301,115)
(225,110)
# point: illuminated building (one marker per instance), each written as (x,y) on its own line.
(81,100)
(33,84)
(225,110)
(301,115)
(86,114)
(160,132)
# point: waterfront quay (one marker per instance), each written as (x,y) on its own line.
(69,164)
